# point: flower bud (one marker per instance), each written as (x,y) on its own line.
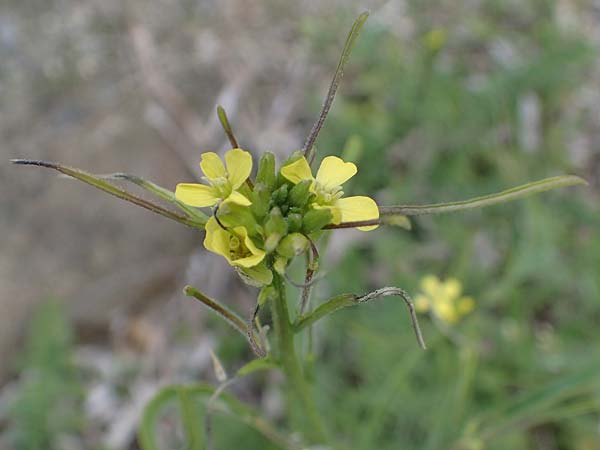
(266,171)
(294,222)
(299,194)
(275,228)
(260,197)
(315,219)
(292,245)
(280,195)
(280,265)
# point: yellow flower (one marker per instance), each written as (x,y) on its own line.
(234,244)
(223,183)
(443,299)
(327,188)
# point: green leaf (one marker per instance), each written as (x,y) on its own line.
(161,192)
(256,365)
(227,405)
(508,195)
(99,183)
(308,148)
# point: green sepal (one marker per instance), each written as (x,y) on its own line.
(300,194)
(315,219)
(257,276)
(266,171)
(233,215)
(292,245)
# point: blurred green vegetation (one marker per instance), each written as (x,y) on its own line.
(440,118)
(47,404)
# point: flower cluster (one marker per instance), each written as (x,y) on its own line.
(444,299)
(260,225)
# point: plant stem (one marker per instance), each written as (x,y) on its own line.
(301,390)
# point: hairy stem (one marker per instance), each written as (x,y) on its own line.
(301,395)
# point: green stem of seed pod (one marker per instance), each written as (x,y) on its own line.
(308,149)
(288,358)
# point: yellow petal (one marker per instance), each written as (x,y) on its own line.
(334,172)
(237,198)
(194,194)
(452,288)
(297,171)
(358,209)
(430,284)
(239,166)
(217,239)
(422,303)
(212,166)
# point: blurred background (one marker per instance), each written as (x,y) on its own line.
(441,101)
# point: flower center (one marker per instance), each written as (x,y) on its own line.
(237,249)
(221,185)
(326,196)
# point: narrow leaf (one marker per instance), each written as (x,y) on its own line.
(307,150)
(99,183)
(161,192)
(508,195)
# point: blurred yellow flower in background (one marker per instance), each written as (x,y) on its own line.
(444,299)
(223,180)
(327,187)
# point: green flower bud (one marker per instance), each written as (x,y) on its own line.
(294,222)
(260,198)
(292,245)
(280,265)
(266,171)
(275,228)
(315,219)
(280,195)
(299,194)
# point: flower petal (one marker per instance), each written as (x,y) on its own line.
(217,239)
(430,284)
(239,166)
(358,209)
(297,171)
(452,288)
(238,199)
(195,194)
(422,303)
(212,166)
(334,172)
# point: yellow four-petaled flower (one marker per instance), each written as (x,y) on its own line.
(443,299)
(223,180)
(327,187)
